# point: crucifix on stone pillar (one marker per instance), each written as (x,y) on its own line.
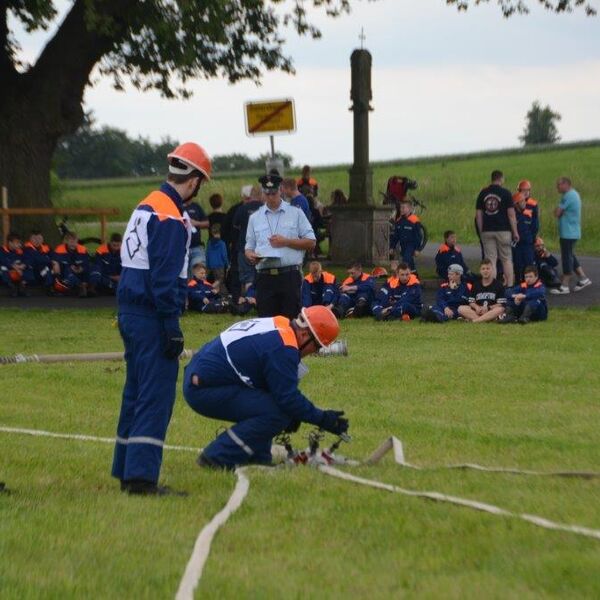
(360,230)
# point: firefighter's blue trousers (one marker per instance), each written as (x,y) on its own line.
(148,398)
(256,416)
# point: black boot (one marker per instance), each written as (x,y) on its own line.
(507,317)
(526,315)
(207,463)
(141,487)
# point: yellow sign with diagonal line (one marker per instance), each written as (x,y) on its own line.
(273,116)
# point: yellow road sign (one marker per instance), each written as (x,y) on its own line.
(274,116)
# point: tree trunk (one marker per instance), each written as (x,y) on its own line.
(44,103)
(26,149)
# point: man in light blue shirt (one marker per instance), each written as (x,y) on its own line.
(568,213)
(278,235)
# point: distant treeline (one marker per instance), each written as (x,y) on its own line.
(103,152)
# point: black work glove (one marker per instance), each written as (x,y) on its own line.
(333,422)
(172,338)
(293,426)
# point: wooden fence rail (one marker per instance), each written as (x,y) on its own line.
(102,213)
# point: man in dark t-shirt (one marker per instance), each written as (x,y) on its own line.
(486,300)
(497,224)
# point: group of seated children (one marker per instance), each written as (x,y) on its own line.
(398,298)
(478,299)
(66,270)
(484,298)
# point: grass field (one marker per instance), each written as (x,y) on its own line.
(512,396)
(448,186)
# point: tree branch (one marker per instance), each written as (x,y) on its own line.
(62,70)
(7,65)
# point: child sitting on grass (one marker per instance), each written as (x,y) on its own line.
(547,264)
(399,297)
(452,294)
(202,295)
(487,301)
(527,301)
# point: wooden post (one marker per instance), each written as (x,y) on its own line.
(103,228)
(5,216)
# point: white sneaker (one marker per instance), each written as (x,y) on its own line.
(563,289)
(582,284)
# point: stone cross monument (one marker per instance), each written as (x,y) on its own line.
(360,230)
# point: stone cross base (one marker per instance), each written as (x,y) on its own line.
(360,233)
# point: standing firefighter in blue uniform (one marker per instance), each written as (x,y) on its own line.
(249,375)
(151,297)
(408,236)
(527,225)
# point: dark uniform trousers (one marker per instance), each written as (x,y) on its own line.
(278,292)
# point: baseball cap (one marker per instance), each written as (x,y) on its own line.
(456,269)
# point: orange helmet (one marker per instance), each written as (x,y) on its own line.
(321,322)
(189,157)
(524,185)
(518,197)
(379,272)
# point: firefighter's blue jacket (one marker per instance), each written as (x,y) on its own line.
(153,280)
(408,232)
(453,298)
(446,256)
(249,375)
(321,292)
(394,293)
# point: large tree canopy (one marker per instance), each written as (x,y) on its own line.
(154,44)
(510,7)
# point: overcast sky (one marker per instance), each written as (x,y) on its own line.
(443,82)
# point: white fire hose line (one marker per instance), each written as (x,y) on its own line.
(394,444)
(481,506)
(193,571)
(80,437)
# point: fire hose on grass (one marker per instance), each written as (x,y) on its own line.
(338,348)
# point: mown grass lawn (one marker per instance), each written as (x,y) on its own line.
(448,187)
(510,396)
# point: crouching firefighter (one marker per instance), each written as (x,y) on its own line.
(249,375)
(151,297)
